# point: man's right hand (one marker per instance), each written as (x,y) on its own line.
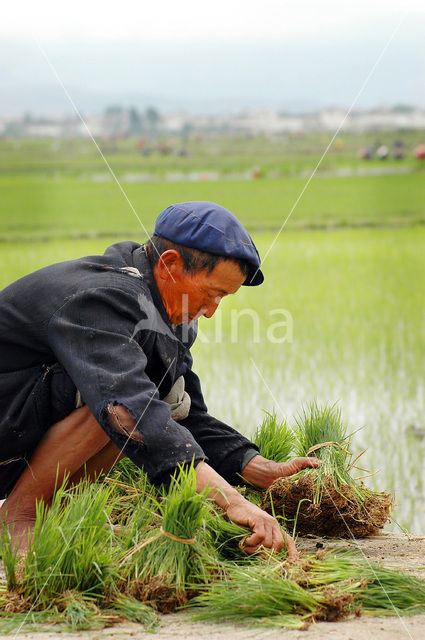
(265,529)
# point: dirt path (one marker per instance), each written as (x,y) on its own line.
(392,550)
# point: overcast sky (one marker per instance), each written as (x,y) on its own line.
(222,54)
(188,19)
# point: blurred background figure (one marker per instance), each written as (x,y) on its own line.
(365,153)
(419,152)
(382,152)
(398,150)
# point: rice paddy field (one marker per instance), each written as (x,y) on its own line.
(340,317)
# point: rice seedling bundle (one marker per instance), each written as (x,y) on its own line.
(327,501)
(255,594)
(328,586)
(71,548)
(165,566)
(70,571)
(382,591)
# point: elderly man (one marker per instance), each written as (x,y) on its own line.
(96,365)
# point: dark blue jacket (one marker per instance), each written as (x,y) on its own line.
(113,341)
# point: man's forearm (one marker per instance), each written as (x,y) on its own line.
(260,472)
(221,492)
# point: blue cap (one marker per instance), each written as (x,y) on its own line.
(208,227)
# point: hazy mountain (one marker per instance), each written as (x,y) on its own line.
(51,100)
(213,76)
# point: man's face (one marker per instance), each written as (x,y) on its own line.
(188,296)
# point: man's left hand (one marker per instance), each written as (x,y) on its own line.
(262,472)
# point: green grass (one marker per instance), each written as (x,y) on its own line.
(70,207)
(355,333)
(356,303)
(223,153)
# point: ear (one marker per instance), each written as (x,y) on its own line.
(170,265)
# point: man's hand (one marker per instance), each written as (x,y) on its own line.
(265,529)
(262,472)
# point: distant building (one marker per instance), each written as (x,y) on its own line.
(121,122)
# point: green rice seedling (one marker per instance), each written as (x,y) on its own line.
(9,556)
(136,524)
(226,537)
(382,591)
(135,611)
(74,611)
(274,439)
(29,621)
(253,495)
(258,594)
(130,496)
(325,568)
(321,432)
(77,611)
(71,547)
(393,593)
(126,471)
(326,587)
(176,555)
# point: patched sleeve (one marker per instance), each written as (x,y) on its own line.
(92,336)
(227,449)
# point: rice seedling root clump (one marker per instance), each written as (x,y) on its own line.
(326,501)
(163,596)
(14,602)
(339,514)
